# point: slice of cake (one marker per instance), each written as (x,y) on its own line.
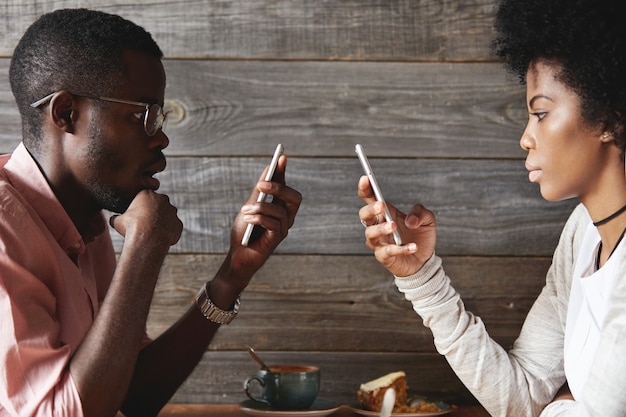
(370,394)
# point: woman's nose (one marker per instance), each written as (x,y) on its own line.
(526,141)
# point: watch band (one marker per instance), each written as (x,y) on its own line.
(211,311)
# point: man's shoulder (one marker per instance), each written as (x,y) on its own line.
(14,205)
(6,177)
(16,208)
(4,158)
(22,185)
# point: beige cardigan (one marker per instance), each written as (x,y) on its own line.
(524,380)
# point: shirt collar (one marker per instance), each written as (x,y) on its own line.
(25,175)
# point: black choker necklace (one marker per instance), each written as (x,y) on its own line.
(619,240)
(611,217)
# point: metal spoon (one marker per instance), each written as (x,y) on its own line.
(257,359)
(388,401)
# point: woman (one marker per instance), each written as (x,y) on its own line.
(568,359)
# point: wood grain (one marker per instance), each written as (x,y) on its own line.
(321,109)
(356,30)
(346,303)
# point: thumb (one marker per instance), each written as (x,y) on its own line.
(120,228)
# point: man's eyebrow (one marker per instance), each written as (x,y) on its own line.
(149,100)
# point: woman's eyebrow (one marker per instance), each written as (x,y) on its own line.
(537,97)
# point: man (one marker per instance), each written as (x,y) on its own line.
(90,89)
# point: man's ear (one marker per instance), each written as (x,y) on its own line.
(62,111)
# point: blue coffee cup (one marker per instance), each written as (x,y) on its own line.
(286,387)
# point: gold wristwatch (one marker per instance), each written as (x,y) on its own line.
(211,311)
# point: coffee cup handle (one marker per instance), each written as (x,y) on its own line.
(261,382)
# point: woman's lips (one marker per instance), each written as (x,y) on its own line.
(533,172)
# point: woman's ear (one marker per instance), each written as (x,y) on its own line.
(606,137)
(62,112)
(612,135)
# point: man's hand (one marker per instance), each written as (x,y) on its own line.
(150,215)
(272,222)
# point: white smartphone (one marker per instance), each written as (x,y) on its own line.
(377,193)
(270,173)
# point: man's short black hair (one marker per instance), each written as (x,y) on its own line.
(586,37)
(79,50)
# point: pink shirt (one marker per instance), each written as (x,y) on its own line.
(47,300)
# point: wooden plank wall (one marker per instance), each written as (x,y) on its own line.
(412,80)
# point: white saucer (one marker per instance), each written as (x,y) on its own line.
(320,408)
(369,413)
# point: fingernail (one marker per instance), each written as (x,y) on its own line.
(112,220)
(412,221)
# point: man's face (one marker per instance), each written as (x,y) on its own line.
(119,158)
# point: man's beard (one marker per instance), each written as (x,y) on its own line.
(100,159)
(108,198)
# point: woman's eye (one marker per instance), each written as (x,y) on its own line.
(539,115)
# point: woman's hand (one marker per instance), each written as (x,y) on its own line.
(417,229)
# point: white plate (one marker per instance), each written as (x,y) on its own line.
(320,408)
(425,414)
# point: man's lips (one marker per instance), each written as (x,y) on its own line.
(151,170)
(155,166)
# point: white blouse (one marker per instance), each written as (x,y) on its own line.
(588,303)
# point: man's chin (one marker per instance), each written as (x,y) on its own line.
(116,205)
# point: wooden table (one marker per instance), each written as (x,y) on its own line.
(232,410)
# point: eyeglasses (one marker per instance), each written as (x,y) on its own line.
(153,115)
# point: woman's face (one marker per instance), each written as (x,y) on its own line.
(565,155)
